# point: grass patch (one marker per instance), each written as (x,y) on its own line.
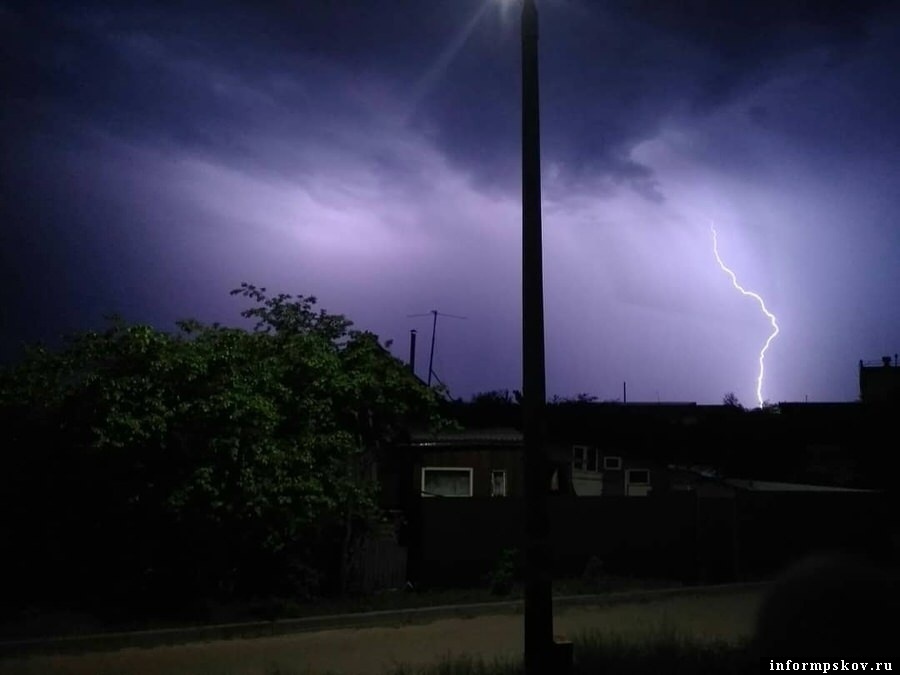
(663,653)
(596,653)
(463,666)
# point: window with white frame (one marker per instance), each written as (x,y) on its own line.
(612,463)
(498,483)
(585,458)
(637,477)
(443,481)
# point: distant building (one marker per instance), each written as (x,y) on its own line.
(470,463)
(597,473)
(879,382)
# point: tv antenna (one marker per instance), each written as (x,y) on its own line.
(434,314)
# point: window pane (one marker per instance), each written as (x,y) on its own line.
(592,459)
(498,483)
(447,482)
(639,477)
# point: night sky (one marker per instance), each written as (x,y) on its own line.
(367,152)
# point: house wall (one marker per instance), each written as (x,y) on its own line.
(774,444)
(677,536)
(879,383)
(460,540)
(587,483)
(612,482)
(481,460)
(778,526)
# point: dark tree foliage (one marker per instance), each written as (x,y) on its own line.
(210,463)
(577,398)
(497,397)
(731,400)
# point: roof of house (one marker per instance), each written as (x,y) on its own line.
(774,486)
(467,437)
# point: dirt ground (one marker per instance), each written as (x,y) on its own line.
(373,650)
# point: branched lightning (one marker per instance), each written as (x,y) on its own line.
(762,306)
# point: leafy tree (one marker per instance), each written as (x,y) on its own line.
(499,407)
(769,407)
(214,461)
(578,398)
(496,397)
(731,400)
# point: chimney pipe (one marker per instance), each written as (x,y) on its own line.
(412,351)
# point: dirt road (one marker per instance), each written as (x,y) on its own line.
(370,651)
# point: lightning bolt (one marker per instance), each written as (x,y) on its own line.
(762,306)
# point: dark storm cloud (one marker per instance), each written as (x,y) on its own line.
(368,153)
(650,61)
(618,71)
(747,35)
(150,69)
(211,75)
(141,74)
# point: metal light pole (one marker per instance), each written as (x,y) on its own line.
(538,600)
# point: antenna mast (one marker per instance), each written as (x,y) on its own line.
(434,314)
